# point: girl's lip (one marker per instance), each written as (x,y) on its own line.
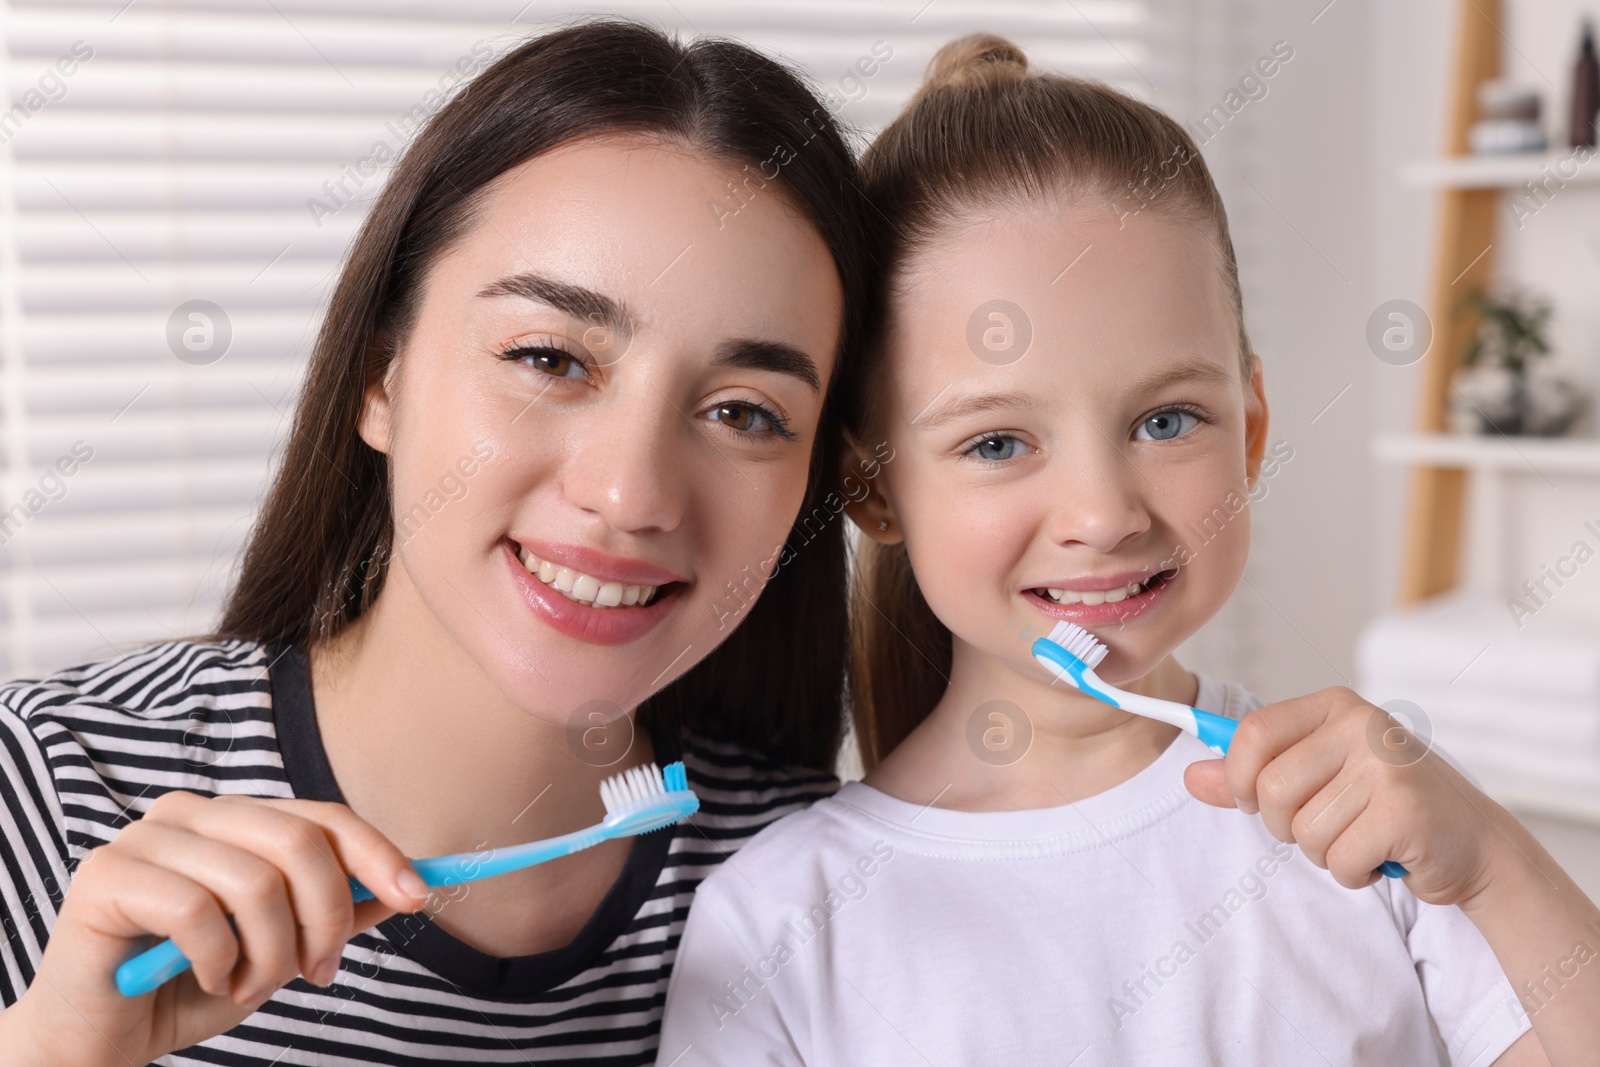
(592,625)
(1092,615)
(1097,583)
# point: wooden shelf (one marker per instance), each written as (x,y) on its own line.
(1502,171)
(1530,455)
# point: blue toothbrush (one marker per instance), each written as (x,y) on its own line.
(637,801)
(1071,653)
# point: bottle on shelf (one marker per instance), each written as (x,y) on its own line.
(1585,91)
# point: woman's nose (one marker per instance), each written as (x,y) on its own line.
(629,468)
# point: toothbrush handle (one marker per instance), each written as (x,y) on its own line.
(153,968)
(462,867)
(1217,733)
(1215,730)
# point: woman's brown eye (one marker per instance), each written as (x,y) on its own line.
(547,359)
(736,416)
(752,420)
(557,363)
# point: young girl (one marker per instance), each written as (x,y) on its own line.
(1022,878)
(565,407)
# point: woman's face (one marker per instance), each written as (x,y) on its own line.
(601,423)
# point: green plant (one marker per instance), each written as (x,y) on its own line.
(1511,330)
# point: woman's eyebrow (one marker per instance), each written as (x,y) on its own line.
(575,300)
(770,355)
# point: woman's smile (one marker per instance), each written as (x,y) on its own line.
(583,608)
(598,608)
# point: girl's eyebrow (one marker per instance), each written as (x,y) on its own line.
(961,405)
(975,403)
(1201,372)
(574,300)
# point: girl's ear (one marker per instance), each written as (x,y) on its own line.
(377,410)
(1255,422)
(865,502)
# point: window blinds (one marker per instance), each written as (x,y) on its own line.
(178,181)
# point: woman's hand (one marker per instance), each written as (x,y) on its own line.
(1348,784)
(278,867)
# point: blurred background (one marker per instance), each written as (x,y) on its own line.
(1415,211)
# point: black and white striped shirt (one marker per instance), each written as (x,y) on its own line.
(85,751)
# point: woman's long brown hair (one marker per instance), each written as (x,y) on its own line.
(983,132)
(320,549)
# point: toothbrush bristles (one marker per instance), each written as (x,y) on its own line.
(1080,642)
(636,785)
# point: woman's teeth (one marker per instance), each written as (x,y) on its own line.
(1095,596)
(575,585)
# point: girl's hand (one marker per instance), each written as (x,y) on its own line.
(278,867)
(1343,780)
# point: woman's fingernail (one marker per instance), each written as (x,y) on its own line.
(1248,806)
(326,971)
(411,882)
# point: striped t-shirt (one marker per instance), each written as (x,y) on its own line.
(85,751)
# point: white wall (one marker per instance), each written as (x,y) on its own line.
(1295,171)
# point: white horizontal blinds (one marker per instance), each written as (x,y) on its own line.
(169,151)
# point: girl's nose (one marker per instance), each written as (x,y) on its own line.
(1098,499)
(630,466)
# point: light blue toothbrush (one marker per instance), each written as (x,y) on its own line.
(1071,653)
(637,801)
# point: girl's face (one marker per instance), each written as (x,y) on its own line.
(601,423)
(1072,435)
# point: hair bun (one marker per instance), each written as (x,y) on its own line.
(978,60)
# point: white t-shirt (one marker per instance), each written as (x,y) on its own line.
(1138,926)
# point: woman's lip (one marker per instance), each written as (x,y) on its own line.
(1091,615)
(584,622)
(597,564)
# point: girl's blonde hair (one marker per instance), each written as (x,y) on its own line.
(983,133)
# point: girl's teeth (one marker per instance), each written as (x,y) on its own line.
(584,588)
(1095,596)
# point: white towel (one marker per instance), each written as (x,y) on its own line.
(1470,641)
(1495,713)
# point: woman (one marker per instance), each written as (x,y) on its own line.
(571,393)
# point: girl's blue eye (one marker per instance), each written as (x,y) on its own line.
(1165,425)
(996,448)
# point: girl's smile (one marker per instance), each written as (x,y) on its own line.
(1099,602)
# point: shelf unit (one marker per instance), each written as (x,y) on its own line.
(1464,256)
(1570,166)
(1530,455)
(1471,194)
